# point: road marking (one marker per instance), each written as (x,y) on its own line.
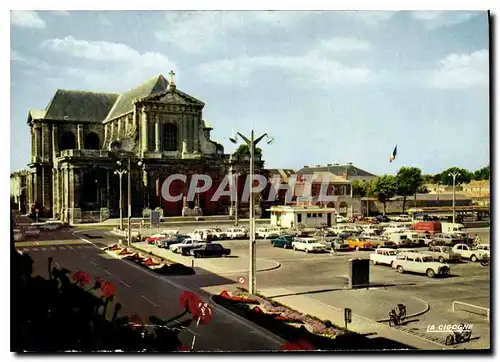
(58,266)
(121,281)
(252,327)
(107,272)
(93,262)
(53,248)
(70,248)
(149,300)
(34,249)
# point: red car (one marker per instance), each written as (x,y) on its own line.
(156,238)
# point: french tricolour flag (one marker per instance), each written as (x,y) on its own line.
(394,153)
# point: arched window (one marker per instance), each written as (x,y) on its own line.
(68,141)
(169,137)
(92,141)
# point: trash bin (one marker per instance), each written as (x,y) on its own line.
(359,273)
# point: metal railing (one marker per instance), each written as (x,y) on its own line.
(84,153)
(471,305)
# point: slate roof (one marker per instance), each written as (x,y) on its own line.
(125,102)
(339,170)
(79,105)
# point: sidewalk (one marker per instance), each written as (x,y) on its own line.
(308,305)
(228,265)
(166,223)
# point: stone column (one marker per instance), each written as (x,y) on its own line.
(55,143)
(145,136)
(55,191)
(45,142)
(33,144)
(46,183)
(184,136)
(157,133)
(80,137)
(36,195)
(196,141)
(75,178)
(145,182)
(38,143)
(119,128)
(112,136)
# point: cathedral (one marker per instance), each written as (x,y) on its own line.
(82,141)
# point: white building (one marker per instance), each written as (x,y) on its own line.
(308,216)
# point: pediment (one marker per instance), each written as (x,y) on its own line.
(174,96)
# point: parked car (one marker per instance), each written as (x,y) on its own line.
(418,238)
(383,256)
(341,219)
(266,233)
(236,233)
(442,253)
(170,240)
(158,237)
(338,244)
(32,231)
(219,234)
(51,225)
(469,252)
(284,241)
(203,235)
(447,239)
(185,246)
(382,218)
(484,247)
(400,239)
(308,245)
(18,235)
(372,228)
(452,228)
(419,263)
(395,228)
(357,243)
(401,218)
(210,249)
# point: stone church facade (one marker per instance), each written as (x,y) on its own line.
(78,138)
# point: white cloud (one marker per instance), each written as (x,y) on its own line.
(371,17)
(342,44)
(26,19)
(438,19)
(33,63)
(14,56)
(315,67)
(196,31)
(460,71)
(61,12)
(103,51)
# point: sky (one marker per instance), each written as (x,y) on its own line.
(330,87)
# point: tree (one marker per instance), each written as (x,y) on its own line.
(463,178)
(384,187)
(408,180)
(358,188)
(482,173)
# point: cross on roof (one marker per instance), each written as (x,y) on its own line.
(171,74)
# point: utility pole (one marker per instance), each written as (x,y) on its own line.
(454,175)
(252,142)
(129,198)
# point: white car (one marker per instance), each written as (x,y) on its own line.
(168,232)
(202,235)
(51,225)
(469,252)
(236,233)
(395,228)
(308,245)
(177,248)
(484,247)
(32,231)
(371,228)
(383,256)
(401,218)
(219,234)
(267,233)
(341,219)
(419,263)
(18,235)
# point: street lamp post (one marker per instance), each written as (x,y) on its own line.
(252,142)
(120,174)
(454,175)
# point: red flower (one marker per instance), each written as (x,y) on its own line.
(190,301)
(108,290)
(224,294)
(81,278)
(300,345)
(256,309)
(183,348)
(148,262)
(136,320)
(203,313)
(124,251)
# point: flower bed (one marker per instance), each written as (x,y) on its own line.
(159,266)
(303,332)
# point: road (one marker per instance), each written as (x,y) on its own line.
(145,294)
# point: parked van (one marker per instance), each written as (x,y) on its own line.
(427,227)
(452,228)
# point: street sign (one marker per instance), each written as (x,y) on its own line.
(347,316)
(241,280)
(155,219)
